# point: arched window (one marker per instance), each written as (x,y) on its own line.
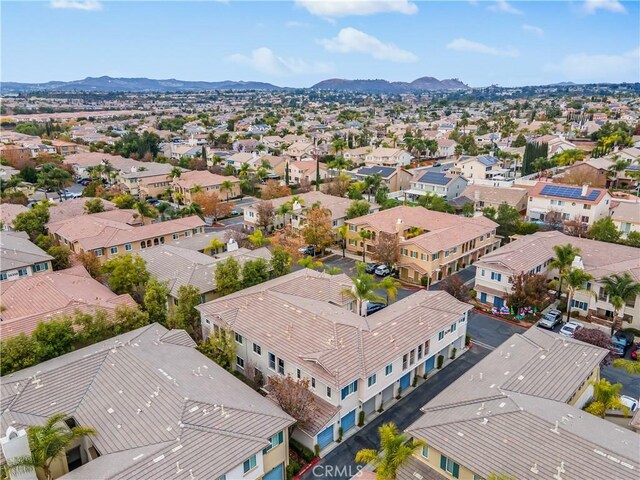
(142,244)
(156,241)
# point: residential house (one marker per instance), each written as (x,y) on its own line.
(388,157)
(179,266)
(509,415)
(300,150)
(557,144)
(74,207)
(111,233)
(446,148)
(444,184)
(29,300)
(245,145)
(21,258)
(626,216)
(394,178)
(154,186)
(353,363)
(8,213)
(357,155)
(338,207)
(556,203)
(432,245)
(238,159)
(185,184)
(481,167)
(306,171)
(593,171)
(64,148)
(534,253)
(160,409)
(274,142)
(484,196)
(15,154)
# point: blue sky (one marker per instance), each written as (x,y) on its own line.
(299,42)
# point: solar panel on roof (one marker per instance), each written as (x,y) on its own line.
(436,178)
(569,192)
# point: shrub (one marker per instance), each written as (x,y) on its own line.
(473,293)
(340,432)
(454,350)
(415,380)
(305,453)
(562,306)
(467,339)
(440,361)
(292,469)
(316,450)
(424,281)
(361,418)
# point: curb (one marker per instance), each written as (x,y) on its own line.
(502,319)
(307,468)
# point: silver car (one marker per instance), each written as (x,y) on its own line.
(550,319)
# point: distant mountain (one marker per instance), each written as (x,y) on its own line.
(110,84)
(384,86)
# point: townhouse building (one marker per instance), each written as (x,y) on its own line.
(394,178)
(191,183)
(557,203)
(626,216)
(357,155)
(509,415)
(111,233)
(64,148)
(388,157)
(485,196)
(21,258)
(533,254)
(353,363)
(159,407)
(431,244)
(444,184)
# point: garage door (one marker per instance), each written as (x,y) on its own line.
(405,381)
(430,364)
(387,394)
(275,474)
(369,406)
(348,421)
(325,437)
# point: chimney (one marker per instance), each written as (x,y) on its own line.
(585,189)
(399,225)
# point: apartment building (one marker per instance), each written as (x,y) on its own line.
(111,233)
(21,258)
(557,203)
(353,363)
(431,244)
(484,196)
(508,415)
(388,157)
(533,254)
(159,407)
(626,216)
(190,183)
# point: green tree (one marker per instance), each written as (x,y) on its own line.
(215,246)
(520,141)
(18,352)
(606,396)
(61,257)
(363,290)
(342,231)
(633,239)
(632,367)
(468,210)
(226,186)
(310,263)
(126,200)
(156,295)
(396,449)
(434,202)
(257,239)
(280,262)
(53,338)
(575,280)
(564,256)
(45,242)
(620,288)
(358,208)
(53,178)
(33,222)
(92,328)
(255,272)
(184,315)
(126,273)
(47,443)
(94,205)
(221,348)
(507,218)
(604,230)
(364,235)
(390,285)
(227,277)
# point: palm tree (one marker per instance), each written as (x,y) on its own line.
(364,235)
(258,239)
(395,449)
(621,288)
(372,184)
(226,186)
(145,210)
(245,169)
(632,367)
(284,210)
(48,442)
(196,189)
(619,166)
(338,146)
(339,164)
(606,396)
(565,254)
(310,263)
(364,286)
(215,245)
(333,270)
(192,209)
(175,173)
(390,285)
(342,231)
(576,280)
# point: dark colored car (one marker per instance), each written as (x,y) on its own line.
(373,307)
(621,342)
(307,250)
(371,267)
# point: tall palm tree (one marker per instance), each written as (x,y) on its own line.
(364,286)
(632,367)
(372,184)
(192,209)
(339,164)
(226,186)
(621,288)
(163,208)
(575,280)
(390,286)
(333,270)
(310,263)
(175,173)
(284,210)
(215,245)
(565,254)
(48,442)
(395,449)
(145,210)
(196,189)
(606,396)
(342,231)
(364,235)
(245,169)
(257,238)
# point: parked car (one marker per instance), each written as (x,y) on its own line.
(307,250)
(153,201)
(570,328)
(382,271)
(371,267)
(634,351)
(373,307)
(550,319)
(81,180)
(621,342)
(235,213)
(630,402)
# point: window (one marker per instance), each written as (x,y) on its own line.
(240,362)
(579,305)
(414,254)
(496,276)
(98,252)
(281,366)
(425,451)
(586,206)
(313,382)
(449,466)
(127,247)
(187,233)
(426,348)
(143,244)
(349,389)
(298,374)
(405,361)
(419,352)
(388,369)
(412,357)
(257,349)
(249,464)
(22,272)
(272,361)
(584,219)
(423,257)
(175,236)
(41,267)
(275,440)
(441,335)
(329,392)
(446,253)
(482,272)
(454,326)
(113,250)
(3,276)
(372,380)
(435,256)
(239,338)
(404,252)
(352,228)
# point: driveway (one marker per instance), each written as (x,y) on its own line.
(403,414)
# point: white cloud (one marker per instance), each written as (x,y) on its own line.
(502,6)
(533,29)
(599,67)
(345,8)
(464,45)
(87,5)
(351,40)
(266,61)
(592,6)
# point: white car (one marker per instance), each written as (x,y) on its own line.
(570,328)
(630,402)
